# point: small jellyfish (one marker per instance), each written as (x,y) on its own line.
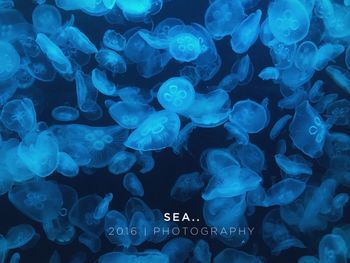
(201,252)
(305,55)
(86,92)
(10,61)
(39,200)
(284,192)
(246,33)
(186,186)
(237,132)
(138,10)
(214,160)
(157,132)
(230,182)
(184,43)
(316,92)
(20,235)
(176,94)
(292,167)
(269,73)
(19,115)
(102,83)
(332,248)
(121,162)
(66,165)
(340,76)
(59,61)
(325,54)
(114,40)
(65,113)
(288,20)
(133,184)
(339,112)
(250,115)
(46,19)
(129,115)
(115,229)
(307,130)
(111,61)
(222,16)
(249,156)
(278,126)
(80,41)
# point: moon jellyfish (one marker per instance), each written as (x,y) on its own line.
(78,40)
(114,40)
(184,43)
(176,94)
(19,115)
(138,10)
(20,235)
(10,60)
(102,84)
(292,167)
(113,220)
(59,61)
(186,186)
(246,33)
(234,255)
(269,73)
(237,132)
(222,16)
(282,55)
(46,19)
(340,76)
(288,20)
(250,115)
(339,112)
(82,213)
(129,115)
(158,131)
(278,126)
(39,200)
(305,55)
(66,165)
(307,130)
(231,181)
(133,185)
(121,162)
(249,156)
(276,234)
(332,248)
(102,208)
(325,54)
(65,113)
(111,61)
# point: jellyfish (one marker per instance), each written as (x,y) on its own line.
(276,234)
(80,41)
(214,160)
(282,55)
(137,49)
(82,214)
(19,115)
(284,192)
(19,236)
(176,94)
(111,61)
(133,184)
(237,132)
(59,61)
(136,10)
(249,156)
(153,256)
(292,101)
(325,54)
(129,115)
(39,200)
(184,43)
(246,33)
(234,255)
(340,76)
(114,40)
(46,19)
(324,103)
(305,55)
(142,227)
(292,167)
(146,162)
(65,113)
(201,252)
(66,165)
(243,69)
(230,182)
(153,65)
(10,60)
(307,130)
(157,132)
(288,20)
(316,92)
(186,186)
(250,115)
(121,162)
(102,83)
(222,17)
(293,77)
(337,144)
(278,126)
(91,241)
(211,109)
(135,94)
(269,73)
(116,229)
(332,248)
(178,249)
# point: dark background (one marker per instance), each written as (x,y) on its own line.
(168,166)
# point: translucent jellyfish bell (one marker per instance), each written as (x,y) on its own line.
(176,94)
(10,60)
(158,131)
(332,248)
(46,19)
(307,130)
(139,10)
(184,43)
(289,21)
(250,115)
